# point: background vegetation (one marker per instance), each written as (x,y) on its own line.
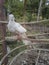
(26,11)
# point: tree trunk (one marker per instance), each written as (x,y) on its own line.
(25,1)
(24,10)
(2,11)
(3,29)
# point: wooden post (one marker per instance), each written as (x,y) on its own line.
(3,30)
(4,46)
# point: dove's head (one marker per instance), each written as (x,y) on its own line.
(11,17)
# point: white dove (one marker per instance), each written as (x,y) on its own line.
(14,26)
(17,28)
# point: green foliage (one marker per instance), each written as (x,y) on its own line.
(17,8)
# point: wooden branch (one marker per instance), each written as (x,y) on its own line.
(14,38)
(33,22)
(36,63)
(38,34)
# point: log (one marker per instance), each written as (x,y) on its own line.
(14,38)
(32,22)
